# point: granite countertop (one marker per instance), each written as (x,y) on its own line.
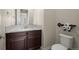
(19,28)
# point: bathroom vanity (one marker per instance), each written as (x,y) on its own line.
(21,33)
(18,38)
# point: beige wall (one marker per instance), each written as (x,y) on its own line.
(38,16)
(46,18)
(72,17)
(2,31)
(49,29)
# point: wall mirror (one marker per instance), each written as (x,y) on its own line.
(21,16)
(17,17)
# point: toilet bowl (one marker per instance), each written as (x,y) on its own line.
(65,43)
(58,47)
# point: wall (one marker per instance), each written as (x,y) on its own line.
(46,18)
(69,16)
(2,30)
(38,17)
(49,28)
(0,19)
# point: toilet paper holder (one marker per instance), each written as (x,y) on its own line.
(60,25)
(71,25)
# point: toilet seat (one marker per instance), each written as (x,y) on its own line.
(58,47)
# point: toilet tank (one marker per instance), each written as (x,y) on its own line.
(66,40)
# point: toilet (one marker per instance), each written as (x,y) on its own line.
(66,42)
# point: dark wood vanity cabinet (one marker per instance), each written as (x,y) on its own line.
(23,40)
(34,39)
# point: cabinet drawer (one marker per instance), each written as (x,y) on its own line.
(34,34)
(17,34)
(17,38)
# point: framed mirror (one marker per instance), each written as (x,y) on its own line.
(21,16)
(15,17)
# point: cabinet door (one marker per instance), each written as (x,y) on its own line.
(34,43)
(17,43)
(34,39)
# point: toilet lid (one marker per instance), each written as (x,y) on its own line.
(58,47)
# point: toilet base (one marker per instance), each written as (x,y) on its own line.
(58,47)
